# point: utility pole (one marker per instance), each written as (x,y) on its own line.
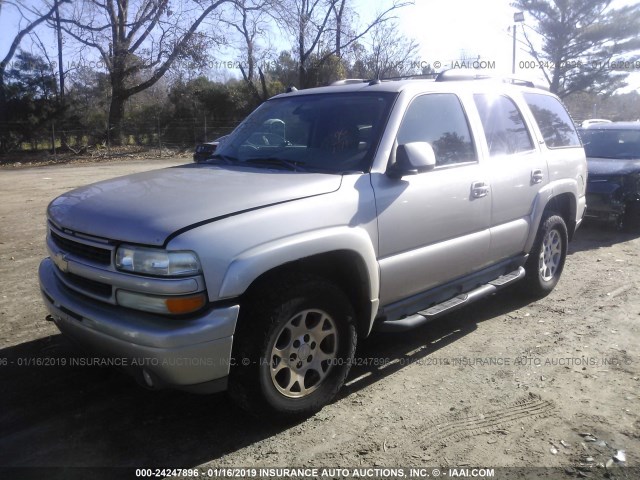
(518,17)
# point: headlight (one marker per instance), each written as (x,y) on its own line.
(151,261)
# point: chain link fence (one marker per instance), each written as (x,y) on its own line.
(56,136)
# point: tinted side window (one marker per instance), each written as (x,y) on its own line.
(503,125)
(554,121)
(439,119)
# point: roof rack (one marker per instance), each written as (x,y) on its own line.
(409,77)
(459,75)
(450,75)
(519,81)
(456,74)
(375,81)
(349,81)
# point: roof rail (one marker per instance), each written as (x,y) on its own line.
(519,81)
(450,75)
(375,81)
(409,77)
(348,81)
(455,74)
(526,83)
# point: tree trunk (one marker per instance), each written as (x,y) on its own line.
(263,82)
(60,65)
(61,98)
(4,130)
(302,76)
(339,14)
(116,119)
(555,79)
(119,94)
(302,57)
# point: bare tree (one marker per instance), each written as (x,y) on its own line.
(30,18)
(391,54)
(339,17)
(319,29)
(138,42)
(252,26)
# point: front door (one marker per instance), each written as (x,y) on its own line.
(433,226)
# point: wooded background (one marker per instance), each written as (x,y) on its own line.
(159,72)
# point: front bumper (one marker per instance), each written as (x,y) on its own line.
(604,206)
(605,198)
(190,354)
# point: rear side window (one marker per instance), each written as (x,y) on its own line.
(439,119)
(553,120)
(503,125)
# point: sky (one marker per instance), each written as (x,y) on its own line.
(450,29)
(445,29)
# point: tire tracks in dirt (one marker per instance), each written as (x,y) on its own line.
(455,427)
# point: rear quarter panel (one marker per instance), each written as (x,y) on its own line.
(567,171)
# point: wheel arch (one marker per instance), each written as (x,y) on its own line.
(564,205)
(345,258)
(558,197)
(346,269)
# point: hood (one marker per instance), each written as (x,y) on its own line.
(146,208)
(612,166)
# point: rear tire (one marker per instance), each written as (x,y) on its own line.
(293,347)
(546,259)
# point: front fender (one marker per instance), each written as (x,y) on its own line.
(254,262)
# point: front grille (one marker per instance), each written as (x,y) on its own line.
(98,255)
(91,286)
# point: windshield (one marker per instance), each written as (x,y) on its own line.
(335,133)
(616,144)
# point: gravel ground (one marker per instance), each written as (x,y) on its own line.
(503,383)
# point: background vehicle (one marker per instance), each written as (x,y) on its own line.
(205,150)
(593,121)
(613,157)
(326,214)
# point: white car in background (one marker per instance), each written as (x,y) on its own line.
(593,121)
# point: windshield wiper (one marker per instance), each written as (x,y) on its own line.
(292,165)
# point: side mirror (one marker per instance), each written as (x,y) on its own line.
(412,158)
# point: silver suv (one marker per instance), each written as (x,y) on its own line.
(327,214)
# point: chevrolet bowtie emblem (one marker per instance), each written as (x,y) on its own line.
(60,259)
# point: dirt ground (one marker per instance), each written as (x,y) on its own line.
(503,383)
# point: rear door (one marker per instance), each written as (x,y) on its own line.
(517,171)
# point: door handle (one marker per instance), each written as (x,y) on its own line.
(479,189)
(536,176)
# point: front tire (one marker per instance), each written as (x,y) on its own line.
(293,347)
(546,259)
